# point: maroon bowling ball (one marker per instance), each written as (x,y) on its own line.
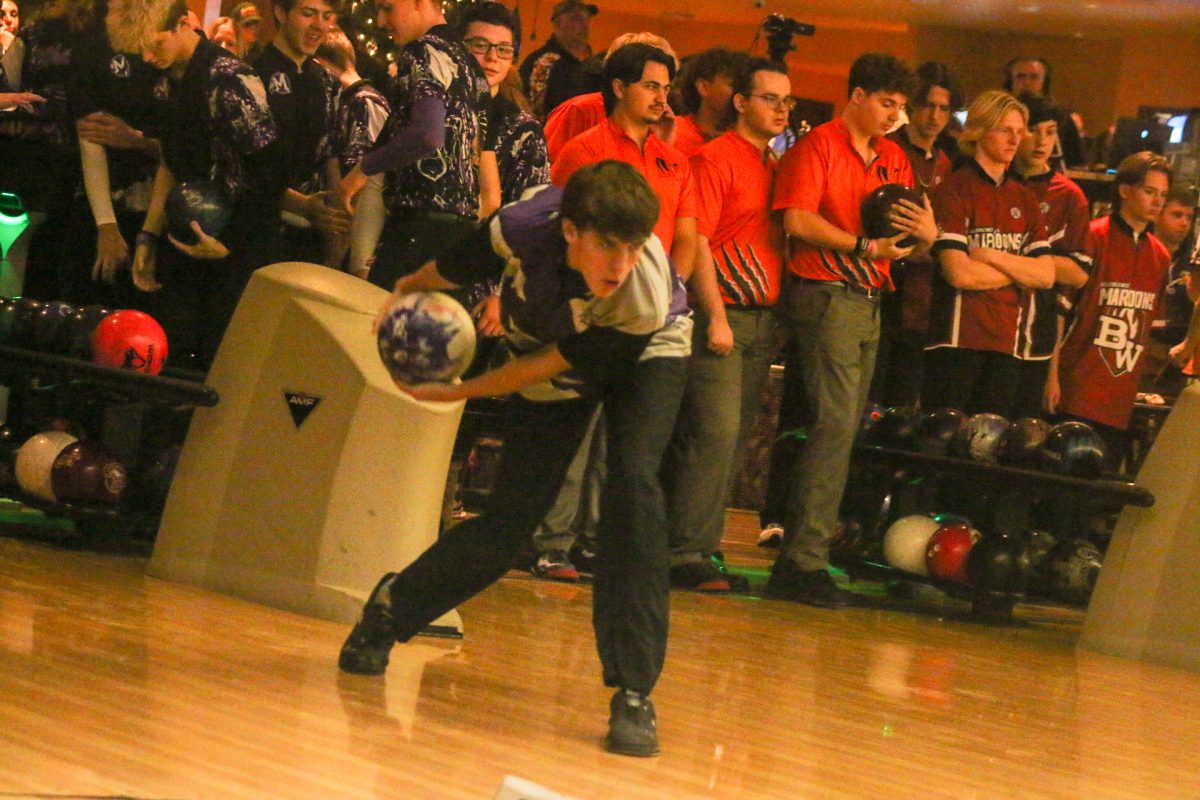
(85,473)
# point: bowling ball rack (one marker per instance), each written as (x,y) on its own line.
(136,395)
(18,364)
(1000,500)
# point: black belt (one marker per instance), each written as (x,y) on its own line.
(423,215)
(869,292)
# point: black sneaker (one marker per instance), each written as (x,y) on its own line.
(584,559)
(738,584)
(366,649)
(699,576)
(555,565)
(632,725)
(814,587)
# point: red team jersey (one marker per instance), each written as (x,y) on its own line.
(571,118)
(1101,361)
(688,136)
(972,210)
(733,198)
(668,172)
(1065,215)
(824,174)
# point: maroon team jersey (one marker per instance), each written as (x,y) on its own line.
(1101,359)
(914,278)
(1065,215)
(972,210)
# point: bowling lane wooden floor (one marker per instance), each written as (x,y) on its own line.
(116,684)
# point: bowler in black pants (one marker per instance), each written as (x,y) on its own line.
(595,313)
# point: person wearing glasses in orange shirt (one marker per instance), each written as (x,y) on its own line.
(734,178)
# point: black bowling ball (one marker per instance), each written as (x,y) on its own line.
(878,204)
(8,317)
(999,566)
(74,337)
(896,428)
(1071,569)
(1073,448)
(46,323)
(1021,444)
(937,430)
(23,321)
(197,201)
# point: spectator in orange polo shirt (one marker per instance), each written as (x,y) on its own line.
(637,78)
(832,302)
(584,112)
(734,177)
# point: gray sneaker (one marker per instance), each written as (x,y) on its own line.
(632,725)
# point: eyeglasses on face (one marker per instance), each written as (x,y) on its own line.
(787,103)
(481,47)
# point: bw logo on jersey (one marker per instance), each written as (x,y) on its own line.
(1121,326)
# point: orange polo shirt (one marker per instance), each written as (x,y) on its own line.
(571,118)
(824,174)
(688,136)
(733,197)
(666,169)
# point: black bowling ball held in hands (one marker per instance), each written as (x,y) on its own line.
(197,201)
(876,207)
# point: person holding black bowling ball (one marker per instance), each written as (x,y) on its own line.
(219,129)
(830,306)
(1095,371)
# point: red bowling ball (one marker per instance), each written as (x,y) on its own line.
(946,553)
(130,340)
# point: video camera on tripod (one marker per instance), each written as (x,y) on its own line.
(780,30)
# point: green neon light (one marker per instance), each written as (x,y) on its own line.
(13,221)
